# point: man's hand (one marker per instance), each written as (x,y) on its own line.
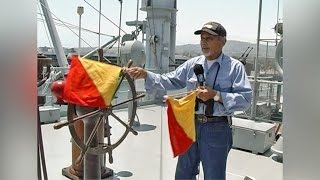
(137,72)
(206,93)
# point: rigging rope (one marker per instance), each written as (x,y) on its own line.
(105,17)
(73,26)
(66,25)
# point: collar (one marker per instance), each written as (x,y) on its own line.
(218,59)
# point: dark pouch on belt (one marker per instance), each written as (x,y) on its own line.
(209,108)
(196,108)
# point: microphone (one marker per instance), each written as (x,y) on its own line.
(198,70)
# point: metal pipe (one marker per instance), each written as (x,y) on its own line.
(279,87)
(103,46)
(267,82)
(92,169)
(80,12)
(79,34)
(244,53)
(137,18)
(118,59)
(93,134)
(249,52)
(99,58)
(256,68)
(277,26)
(266,59)
(172,44)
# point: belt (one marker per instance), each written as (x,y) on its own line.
(203,118)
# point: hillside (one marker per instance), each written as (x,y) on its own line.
(232,48)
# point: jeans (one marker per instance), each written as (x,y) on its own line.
(212,146)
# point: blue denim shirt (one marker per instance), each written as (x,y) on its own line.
(232,82)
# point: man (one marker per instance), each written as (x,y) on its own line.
(225,91)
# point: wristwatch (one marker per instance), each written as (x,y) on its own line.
(217,96)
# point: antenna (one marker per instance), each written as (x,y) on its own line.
(137,18)
(80,12)
(99,46)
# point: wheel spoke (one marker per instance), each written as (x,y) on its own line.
(124,124)
(65,123)
(129,100)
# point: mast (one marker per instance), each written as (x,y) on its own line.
(160,33)
(61,57)
(256,68)
(160,37)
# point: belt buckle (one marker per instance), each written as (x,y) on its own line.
(203,118)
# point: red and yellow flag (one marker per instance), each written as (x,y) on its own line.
(91,83)
(181,122)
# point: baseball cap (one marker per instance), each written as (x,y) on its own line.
(213,28)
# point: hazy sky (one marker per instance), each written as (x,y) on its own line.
(239,17)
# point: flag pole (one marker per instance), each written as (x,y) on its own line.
(179,95)
(161,141)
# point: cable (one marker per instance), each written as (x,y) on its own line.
(66,26)
(73,26)
(105,17)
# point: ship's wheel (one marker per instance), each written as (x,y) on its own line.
(104,115)
(111,121)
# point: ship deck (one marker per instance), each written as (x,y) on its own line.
(148,155)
